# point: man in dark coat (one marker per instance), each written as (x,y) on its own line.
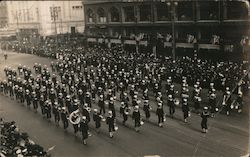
(110,121)
(212,103)
(146,109)
(124,111)
(171,106)
(136,116)
(204,116)
(97,119)
(84,129)
(64,117)
(101,104)
(160,114)
(185,110)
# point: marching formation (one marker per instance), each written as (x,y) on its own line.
(99,84)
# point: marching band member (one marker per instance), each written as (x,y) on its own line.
(84,128)
(197,101)
(160,114)
(204,116)
(64,117)
(136,116)
(145,95)
(185,110)
(146,109)
(124,111)
(34,101)
(86,112)
(212,103)
(101,104)
(227,102)
(60,100)
(75,116)
(112,107)
(239,101)
(110,121)
(171,105)
(97,119)
(47,109)
(28,98)
(56,112)
(88,99)
(42,104)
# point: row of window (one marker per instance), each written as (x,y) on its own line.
(77,7)
(3,24)
(24,15)
(183,33)
(184,11)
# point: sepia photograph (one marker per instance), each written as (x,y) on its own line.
(124,78)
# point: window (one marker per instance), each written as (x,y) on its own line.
(185,11)
(207,33)
(237,10)
(114,15)
(209,10)
(129,14)
(184,32)
(90,16)
(145,12)
(163,12)
(116,32)
(101,15)
(130,32)
(55,13)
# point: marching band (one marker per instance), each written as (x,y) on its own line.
(73,86)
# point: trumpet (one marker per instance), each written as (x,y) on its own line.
(75,117)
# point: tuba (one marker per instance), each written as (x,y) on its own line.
(75,117)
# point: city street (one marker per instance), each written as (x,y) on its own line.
(227,135)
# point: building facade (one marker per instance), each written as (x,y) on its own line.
(198,24)
(3,15)
(46,17)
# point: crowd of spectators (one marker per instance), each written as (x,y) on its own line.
(15,143)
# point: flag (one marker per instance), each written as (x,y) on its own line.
(159,36)
(190,38)
(168,37)
(215,39)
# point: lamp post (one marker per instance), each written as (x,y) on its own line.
(172,4)
(17,15)
(54,15)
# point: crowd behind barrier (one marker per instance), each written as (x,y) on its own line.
(15,143)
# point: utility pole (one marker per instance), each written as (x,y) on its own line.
(173,28)
(17,24)
(172,6)
(54,15)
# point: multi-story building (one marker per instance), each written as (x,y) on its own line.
(46,17)
(3,15)
(197,24)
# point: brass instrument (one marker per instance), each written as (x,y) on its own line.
(75,117)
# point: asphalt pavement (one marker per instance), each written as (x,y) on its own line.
(227,136)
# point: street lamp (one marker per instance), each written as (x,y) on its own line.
(173,6)
(54,11)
